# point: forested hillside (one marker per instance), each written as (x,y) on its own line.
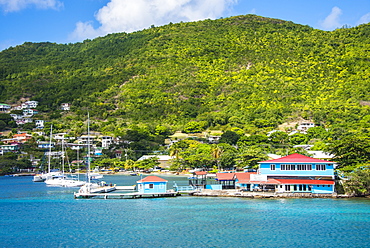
(247,71)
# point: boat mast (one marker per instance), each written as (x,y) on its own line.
(88,148)
(51,134)
(63,155)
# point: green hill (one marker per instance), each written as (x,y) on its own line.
(246,71)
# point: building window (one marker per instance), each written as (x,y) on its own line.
(287,167)
(151,186)
(304,167)
(321,167)
(287,187)
(272,167)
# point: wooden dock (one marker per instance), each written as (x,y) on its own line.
(133,195)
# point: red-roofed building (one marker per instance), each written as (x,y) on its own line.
(227,180)
(22,137)
(299,173)
(152,185)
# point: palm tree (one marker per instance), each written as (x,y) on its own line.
(175,152)
(217,153)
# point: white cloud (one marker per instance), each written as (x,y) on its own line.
(133,15)
(253,11)
(332,20)
(364,19)
(16,5)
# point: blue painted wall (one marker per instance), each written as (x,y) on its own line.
(157,187)
(316,189)
(214,187)
(322,189)
(265,169)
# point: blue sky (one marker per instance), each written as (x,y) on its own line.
(69,21)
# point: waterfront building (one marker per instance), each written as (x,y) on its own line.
(294,173)
(152,185)
(227,180)
(299,173)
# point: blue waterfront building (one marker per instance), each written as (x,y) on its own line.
(152,185)
(298,173)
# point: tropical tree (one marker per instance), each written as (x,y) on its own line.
(229,137)
(359,181)
(217,152)
(147,164)
(249,156)
(350,151)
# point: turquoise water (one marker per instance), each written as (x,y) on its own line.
(34,215)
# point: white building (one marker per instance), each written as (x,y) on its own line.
(304,126)
(65,106)
(39,123)
(106,141)
(29,104)
(4,107)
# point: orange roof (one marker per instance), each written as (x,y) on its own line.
(225,176)
(151,179)
(296,158)
(22,135)
(243,176)
(200,173)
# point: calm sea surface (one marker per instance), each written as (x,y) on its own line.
(34,215)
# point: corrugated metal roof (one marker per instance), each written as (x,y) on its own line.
(225,176)
(296,158)
(150,179)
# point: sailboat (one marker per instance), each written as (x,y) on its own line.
(51,173)
(62,180)
(92,186)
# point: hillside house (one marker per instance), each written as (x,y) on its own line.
(213,139)
(30,112)
(45,144)
(39,123)
(22,137)
(304,126)
(16,117)
(4,107)
(65,106)
(23,121)
(84,139)
(9,148)
(29,104)
(106,141)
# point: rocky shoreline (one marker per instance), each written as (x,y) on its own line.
(238,193)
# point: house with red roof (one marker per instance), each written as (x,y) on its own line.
(297,173)
(226,179)
(152,185)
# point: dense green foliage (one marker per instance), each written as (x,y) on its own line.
(245,71)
